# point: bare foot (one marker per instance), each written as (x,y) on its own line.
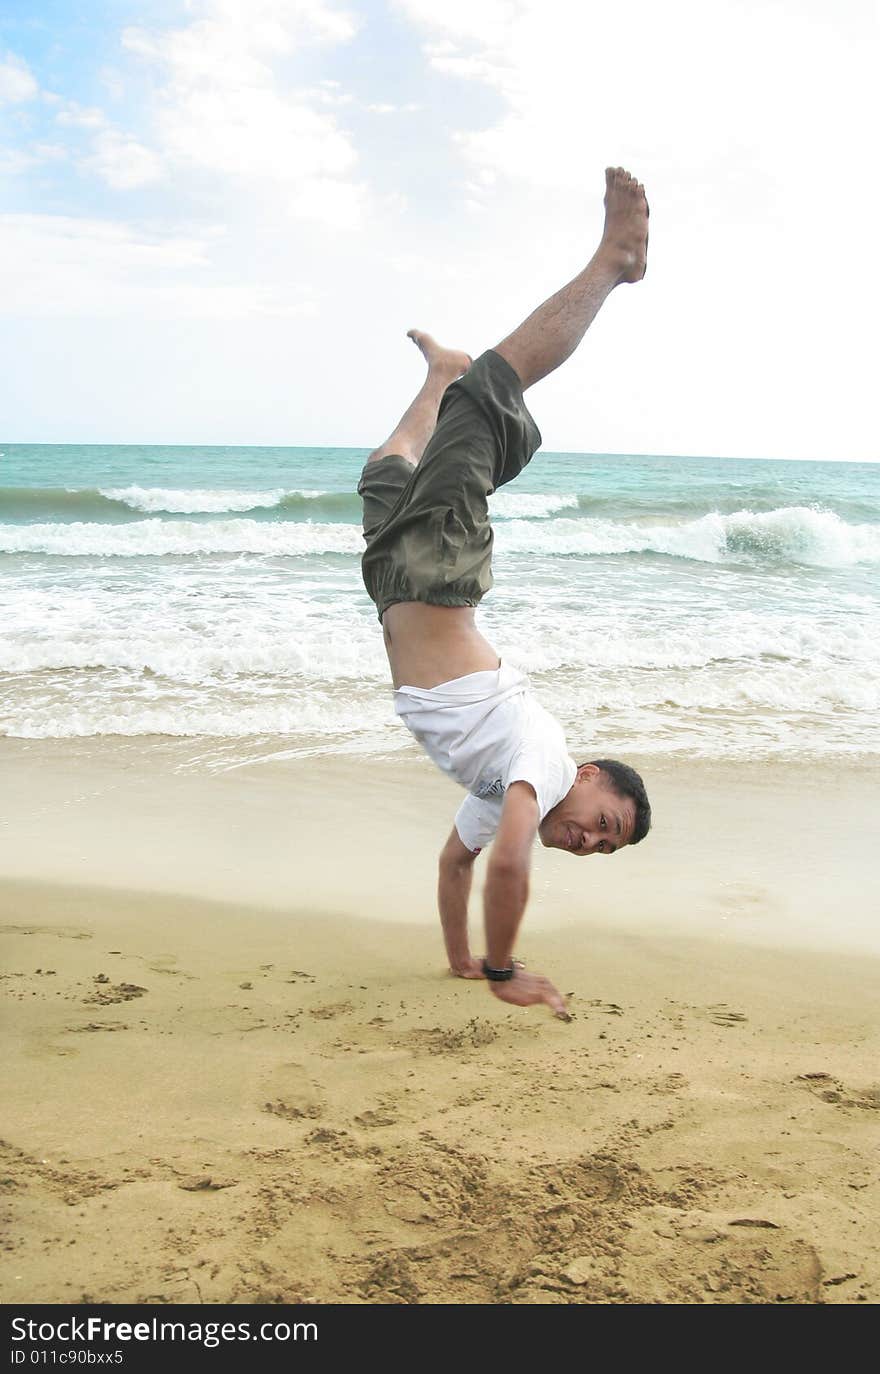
(625,240)
(448,361)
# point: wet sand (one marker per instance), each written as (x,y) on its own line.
(283,1096)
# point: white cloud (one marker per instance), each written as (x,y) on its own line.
(16,161)
(383,108)
(49,152)
(326,95)
(328,202)
(675,85)
(749,122)
(17,82)
(54,265)
(252,132)
(113,82)
(122,161)
(225,107)
(81,116)
(488,22)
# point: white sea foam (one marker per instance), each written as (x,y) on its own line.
(227,719)
(512,505)
(794,534)
(202,642)
(720,647)
(219,653)
(160,538)
(153,500)
(315,677)
(749,715)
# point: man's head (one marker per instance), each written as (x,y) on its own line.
(606,808)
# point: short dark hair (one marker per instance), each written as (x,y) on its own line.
(627,783)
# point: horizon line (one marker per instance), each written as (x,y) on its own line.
(360,448)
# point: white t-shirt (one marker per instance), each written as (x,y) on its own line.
(486,731)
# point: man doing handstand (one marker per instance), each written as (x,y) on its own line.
(426,566)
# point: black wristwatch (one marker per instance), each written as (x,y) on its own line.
(498,975)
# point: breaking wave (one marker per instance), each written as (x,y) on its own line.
(793,534)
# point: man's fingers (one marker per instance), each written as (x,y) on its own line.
(556,1002)
(554,999)
(526,989)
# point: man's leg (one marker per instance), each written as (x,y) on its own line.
(415,427)
(553,331)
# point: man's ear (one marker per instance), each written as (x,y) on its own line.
(586,772)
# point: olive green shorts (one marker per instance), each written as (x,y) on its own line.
(427,527)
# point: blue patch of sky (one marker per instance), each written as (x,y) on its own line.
(67,46)
(70,50)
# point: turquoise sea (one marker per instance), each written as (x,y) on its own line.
(693,607)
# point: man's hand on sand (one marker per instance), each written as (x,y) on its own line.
(525,989)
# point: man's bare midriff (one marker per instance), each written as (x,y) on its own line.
(427,645)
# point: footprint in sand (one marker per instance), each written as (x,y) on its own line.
(288,1092)
(106,993)
(100,1026)
(739,1266)
(721,1015)
(669,1083)
(332,1009)
(829,1089)
(380,1117)
(444,1040)
(293,1113)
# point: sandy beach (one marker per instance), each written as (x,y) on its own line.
(236,1069)
(320,311)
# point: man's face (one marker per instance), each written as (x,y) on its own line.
(591,819)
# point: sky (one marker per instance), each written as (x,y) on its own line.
(218,218)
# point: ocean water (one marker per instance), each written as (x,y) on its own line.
(674,606)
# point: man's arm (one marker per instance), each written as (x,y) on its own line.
(453,890)
(507,877)
(505,898)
